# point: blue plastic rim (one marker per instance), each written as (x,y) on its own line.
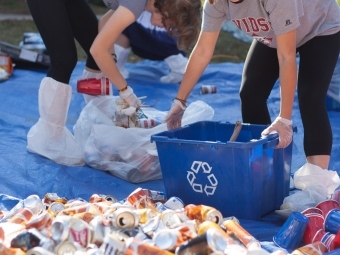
(332,221)
(291,233)
(247,178)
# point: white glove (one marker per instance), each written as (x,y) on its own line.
(284,128)
(129,97)
(174,116)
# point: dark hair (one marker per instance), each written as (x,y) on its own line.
(182,19)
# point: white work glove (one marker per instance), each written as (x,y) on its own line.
(284,128)
(174,116)
(129,97)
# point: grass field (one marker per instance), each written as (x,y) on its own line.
(228,49)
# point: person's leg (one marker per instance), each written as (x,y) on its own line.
(261,71)
(52,21)
(318,58)
(49,137)
(84,25)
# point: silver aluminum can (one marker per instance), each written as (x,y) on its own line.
(60,228)
(174,203)
(34,203)
(170,219)
(167,239)
(113,244)
(124,218)
(208,89)
(214,216)
(39,251)
(211,241)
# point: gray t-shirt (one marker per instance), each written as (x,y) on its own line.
(135,6)
(264,19)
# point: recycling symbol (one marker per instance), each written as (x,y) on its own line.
(209,188)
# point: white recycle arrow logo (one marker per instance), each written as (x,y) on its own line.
(206,169)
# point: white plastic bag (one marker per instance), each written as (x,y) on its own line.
(301,200)
(126,152)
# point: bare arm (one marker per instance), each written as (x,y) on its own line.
(198,61)
(115,23)
(286,51)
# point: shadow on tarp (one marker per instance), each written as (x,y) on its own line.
(23,173)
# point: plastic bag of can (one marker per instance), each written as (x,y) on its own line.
(126,153)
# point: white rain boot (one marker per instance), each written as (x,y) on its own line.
(122,57)
(87,75)
(177,64)
(49,137)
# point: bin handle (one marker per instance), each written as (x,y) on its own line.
(273,140)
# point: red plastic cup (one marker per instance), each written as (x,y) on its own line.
(335,243)
(312,210)
(327,205)
(315,223)
(336,196)
(94,86)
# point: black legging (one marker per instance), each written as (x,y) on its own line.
(60,22)
(318,58)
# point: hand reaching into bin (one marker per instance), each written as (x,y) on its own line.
(284,128)
(174,116)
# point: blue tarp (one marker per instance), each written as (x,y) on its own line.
(23,173)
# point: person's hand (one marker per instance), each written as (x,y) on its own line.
(174,116)
(284,128)
(129,97)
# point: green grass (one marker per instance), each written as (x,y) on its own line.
(228,48)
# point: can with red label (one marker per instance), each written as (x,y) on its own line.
(146,123)
(80,232)
(208,89)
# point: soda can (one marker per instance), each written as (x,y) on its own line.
(66,248)
(141,198)
(55,208)
(80,232)
(246,238)
(53,197)
(145,214)
(135,246)
(39,251)
(170,219)
(146,123)
(151,226)
(44,241)
(168,239)
(174,203)
(203,213)
(124,218)
(34,203)
(41,221)
(22,216)
(113,244)
(213,240)
(158,196)
(208,89)
(60,228)
(160,207)
(317,248)
(84,207)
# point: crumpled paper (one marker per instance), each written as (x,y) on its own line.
(313,174)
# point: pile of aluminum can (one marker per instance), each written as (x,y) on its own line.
(143,223)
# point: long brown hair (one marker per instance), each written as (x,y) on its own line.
(182,19)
